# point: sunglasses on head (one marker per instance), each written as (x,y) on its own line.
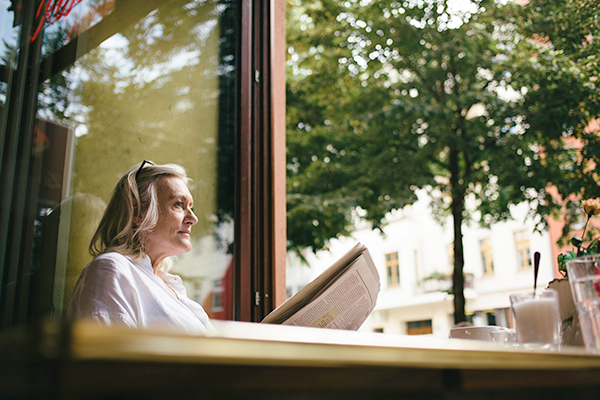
(142,167)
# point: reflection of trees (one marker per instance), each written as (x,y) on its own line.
(227,112)
(54,98)
(7,60)
(144,104)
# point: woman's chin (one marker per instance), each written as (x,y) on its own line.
(187,247)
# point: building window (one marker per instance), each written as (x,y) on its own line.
(523,249)
(485,251)
(217,296)
(378,330)
(419,327)
(392,267)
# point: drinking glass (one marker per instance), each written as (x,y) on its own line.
(503,337)
(584,277)
(536,318)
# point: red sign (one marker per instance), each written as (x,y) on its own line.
(52,11)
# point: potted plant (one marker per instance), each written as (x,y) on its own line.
(570,329)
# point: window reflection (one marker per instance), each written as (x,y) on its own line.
(123,81)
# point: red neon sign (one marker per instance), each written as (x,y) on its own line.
(52,11)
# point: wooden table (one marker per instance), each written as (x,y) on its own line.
(245,360)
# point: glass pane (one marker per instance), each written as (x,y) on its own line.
(126,81)
(8,46)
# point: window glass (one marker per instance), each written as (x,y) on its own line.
(8,45)
(486,255)
(392,266)
(523,250)
(120,82)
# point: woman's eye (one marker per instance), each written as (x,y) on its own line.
(179,204)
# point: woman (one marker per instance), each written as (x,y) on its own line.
(149,218)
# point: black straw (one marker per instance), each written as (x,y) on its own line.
(536,269)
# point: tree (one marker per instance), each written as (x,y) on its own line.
(569,30)
(453,105)
(327,120)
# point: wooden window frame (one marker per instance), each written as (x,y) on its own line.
(260,216)
(261,220)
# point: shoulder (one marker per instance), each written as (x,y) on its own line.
(109,263)
(112,256)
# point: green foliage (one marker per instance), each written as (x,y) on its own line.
(378,106)
(570,30)
(387,97)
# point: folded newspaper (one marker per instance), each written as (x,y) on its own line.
(342,297)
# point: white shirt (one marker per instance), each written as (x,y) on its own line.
(114,289)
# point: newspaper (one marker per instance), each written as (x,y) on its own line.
(342,297)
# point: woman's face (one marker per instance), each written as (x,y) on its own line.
(171,235)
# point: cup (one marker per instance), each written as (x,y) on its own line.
(584,277)
(503,337)
(473,332)
(536,318)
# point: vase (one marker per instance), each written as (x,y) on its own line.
(570,329)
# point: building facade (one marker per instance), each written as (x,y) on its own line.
(414,259)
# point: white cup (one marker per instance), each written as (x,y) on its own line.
(536,317)
(473,332)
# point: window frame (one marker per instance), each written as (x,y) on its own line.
(259,246)
(260,207)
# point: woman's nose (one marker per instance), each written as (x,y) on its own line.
(191,217)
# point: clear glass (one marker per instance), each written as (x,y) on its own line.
(124,81)
(504,337)
(8,54)
(537,321)
(584,278)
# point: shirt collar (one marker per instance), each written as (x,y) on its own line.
(144,263)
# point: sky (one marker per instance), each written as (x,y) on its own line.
(7,32)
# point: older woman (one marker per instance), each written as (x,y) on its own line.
(149,218)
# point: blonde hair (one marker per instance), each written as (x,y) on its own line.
(133,210)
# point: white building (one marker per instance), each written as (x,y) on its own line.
(414,258)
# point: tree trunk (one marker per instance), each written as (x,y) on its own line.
(458,278)
(458,205)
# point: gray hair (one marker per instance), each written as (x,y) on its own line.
(133,210)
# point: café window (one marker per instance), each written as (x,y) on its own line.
(486,255)
(119,82)
(523,250)
(392,266)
